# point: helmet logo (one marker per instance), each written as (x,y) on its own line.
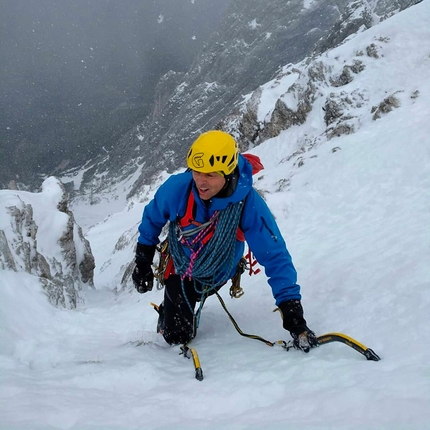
(197,160)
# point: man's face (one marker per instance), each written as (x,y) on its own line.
(208,184)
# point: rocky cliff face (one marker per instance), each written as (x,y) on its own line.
(253,43)
(307,84)
(38,235)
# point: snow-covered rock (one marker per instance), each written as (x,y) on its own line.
(39,235)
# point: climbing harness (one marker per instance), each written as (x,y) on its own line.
(166,267)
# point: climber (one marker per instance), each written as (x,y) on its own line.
(212,208)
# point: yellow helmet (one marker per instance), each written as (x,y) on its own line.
(213,151)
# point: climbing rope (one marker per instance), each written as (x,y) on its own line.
(210,264)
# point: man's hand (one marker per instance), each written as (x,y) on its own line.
(143,276)
(293,321)
(305,341)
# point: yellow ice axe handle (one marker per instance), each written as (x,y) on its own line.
(354,344)
(192,353)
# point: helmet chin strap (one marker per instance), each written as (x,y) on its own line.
(230,184)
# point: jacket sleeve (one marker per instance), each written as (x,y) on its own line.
(266,242)
(162,208)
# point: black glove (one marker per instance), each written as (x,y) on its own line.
(143,277)
(293,321)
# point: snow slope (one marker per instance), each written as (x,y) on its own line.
(356,221)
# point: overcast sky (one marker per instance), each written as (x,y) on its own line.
(68,62)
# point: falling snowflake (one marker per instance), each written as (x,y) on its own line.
(253,24)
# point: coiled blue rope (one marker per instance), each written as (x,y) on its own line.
(215,262)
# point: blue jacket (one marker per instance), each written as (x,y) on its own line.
(257,223)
